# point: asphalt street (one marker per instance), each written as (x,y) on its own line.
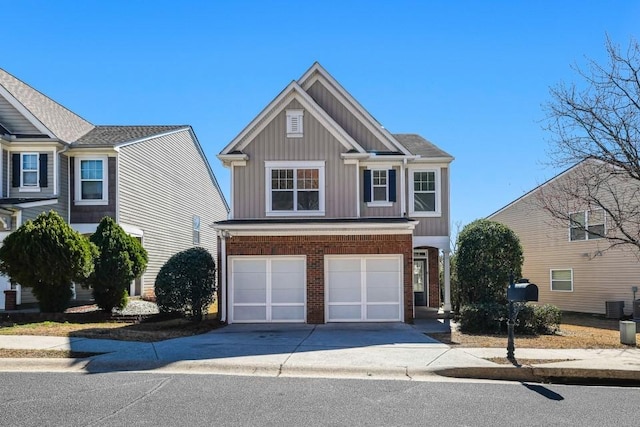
(156,399)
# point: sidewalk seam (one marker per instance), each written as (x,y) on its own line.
(295,349)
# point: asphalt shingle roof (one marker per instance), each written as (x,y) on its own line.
(420,146)
(109,136)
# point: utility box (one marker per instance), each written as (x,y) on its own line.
(614,309)
(522,291)
(636,310)
(628,332)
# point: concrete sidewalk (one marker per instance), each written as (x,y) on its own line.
(383,351)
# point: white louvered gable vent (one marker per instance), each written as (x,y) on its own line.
(295,123)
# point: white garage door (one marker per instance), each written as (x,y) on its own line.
(267,289)
(364,288)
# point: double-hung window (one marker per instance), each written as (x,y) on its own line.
(587,225)
(196,230)
(562,280)
(91,180)
(29,170)
(379,187)
(424,190)
(295,189)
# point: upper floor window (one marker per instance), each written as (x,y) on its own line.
(425,192)
(295,128)
(91,180)
(29,174)
(29,171)
(587,225)
(295,189)
(379,187)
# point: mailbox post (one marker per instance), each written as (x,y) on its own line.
(522,291)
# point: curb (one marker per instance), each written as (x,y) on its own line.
(542,374)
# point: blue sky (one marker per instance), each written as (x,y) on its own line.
(469,76)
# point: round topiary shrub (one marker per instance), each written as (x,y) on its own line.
(186,284)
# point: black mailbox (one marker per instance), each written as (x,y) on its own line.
(522,291)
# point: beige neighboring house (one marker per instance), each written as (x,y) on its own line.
(574,269)
(333,218)
(155,181)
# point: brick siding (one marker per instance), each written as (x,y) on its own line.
(316,247)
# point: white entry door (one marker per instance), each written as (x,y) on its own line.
(364,288)
(267,289)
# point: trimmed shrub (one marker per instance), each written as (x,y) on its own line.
(487,254)
(47,255)
(548,318)
(491,318)
(120,259)
(186,284)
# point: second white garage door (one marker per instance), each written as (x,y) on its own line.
(267,289)
(364,288)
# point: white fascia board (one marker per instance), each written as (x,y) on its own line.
(426,165)
(312,75)
(101,151)
(291,92)
(544,184)
(91,228)
(38,203)
(440,242)
(147,138)
(298,229)
(418,159)
(27,147)
(25,112)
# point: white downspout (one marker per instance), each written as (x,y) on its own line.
(222,306)
(447,282)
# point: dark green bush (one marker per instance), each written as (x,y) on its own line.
(491,318)
(548,318)
(120,259)
(47,255)
(186,283)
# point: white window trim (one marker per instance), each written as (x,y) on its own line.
(551,279)
(379,203)
(438,198)
(105,181)
(586,213)
(270,165)
(290,131)
(29,188)
(196,229)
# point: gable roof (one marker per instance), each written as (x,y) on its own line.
(291,92)
(111,136)
(317,72)
(544,184)
(46,114)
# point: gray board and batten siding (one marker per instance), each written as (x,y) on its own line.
(350,123)
(317,144)
(44,191)
(63,196)
(157,194)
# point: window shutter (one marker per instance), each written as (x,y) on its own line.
(15,170)
(392,185)
(43,170)
(367,185)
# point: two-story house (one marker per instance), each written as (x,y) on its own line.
(333,218)
(565,254)
(155,181)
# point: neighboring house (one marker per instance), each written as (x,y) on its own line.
(153,180)
(573,268)
(333,218)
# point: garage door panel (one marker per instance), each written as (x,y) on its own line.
(287,313)
(250,313)
(345,312)
(260,284)
(370,285)
(287,295)
(382,295)
(382,265)
(383,312)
